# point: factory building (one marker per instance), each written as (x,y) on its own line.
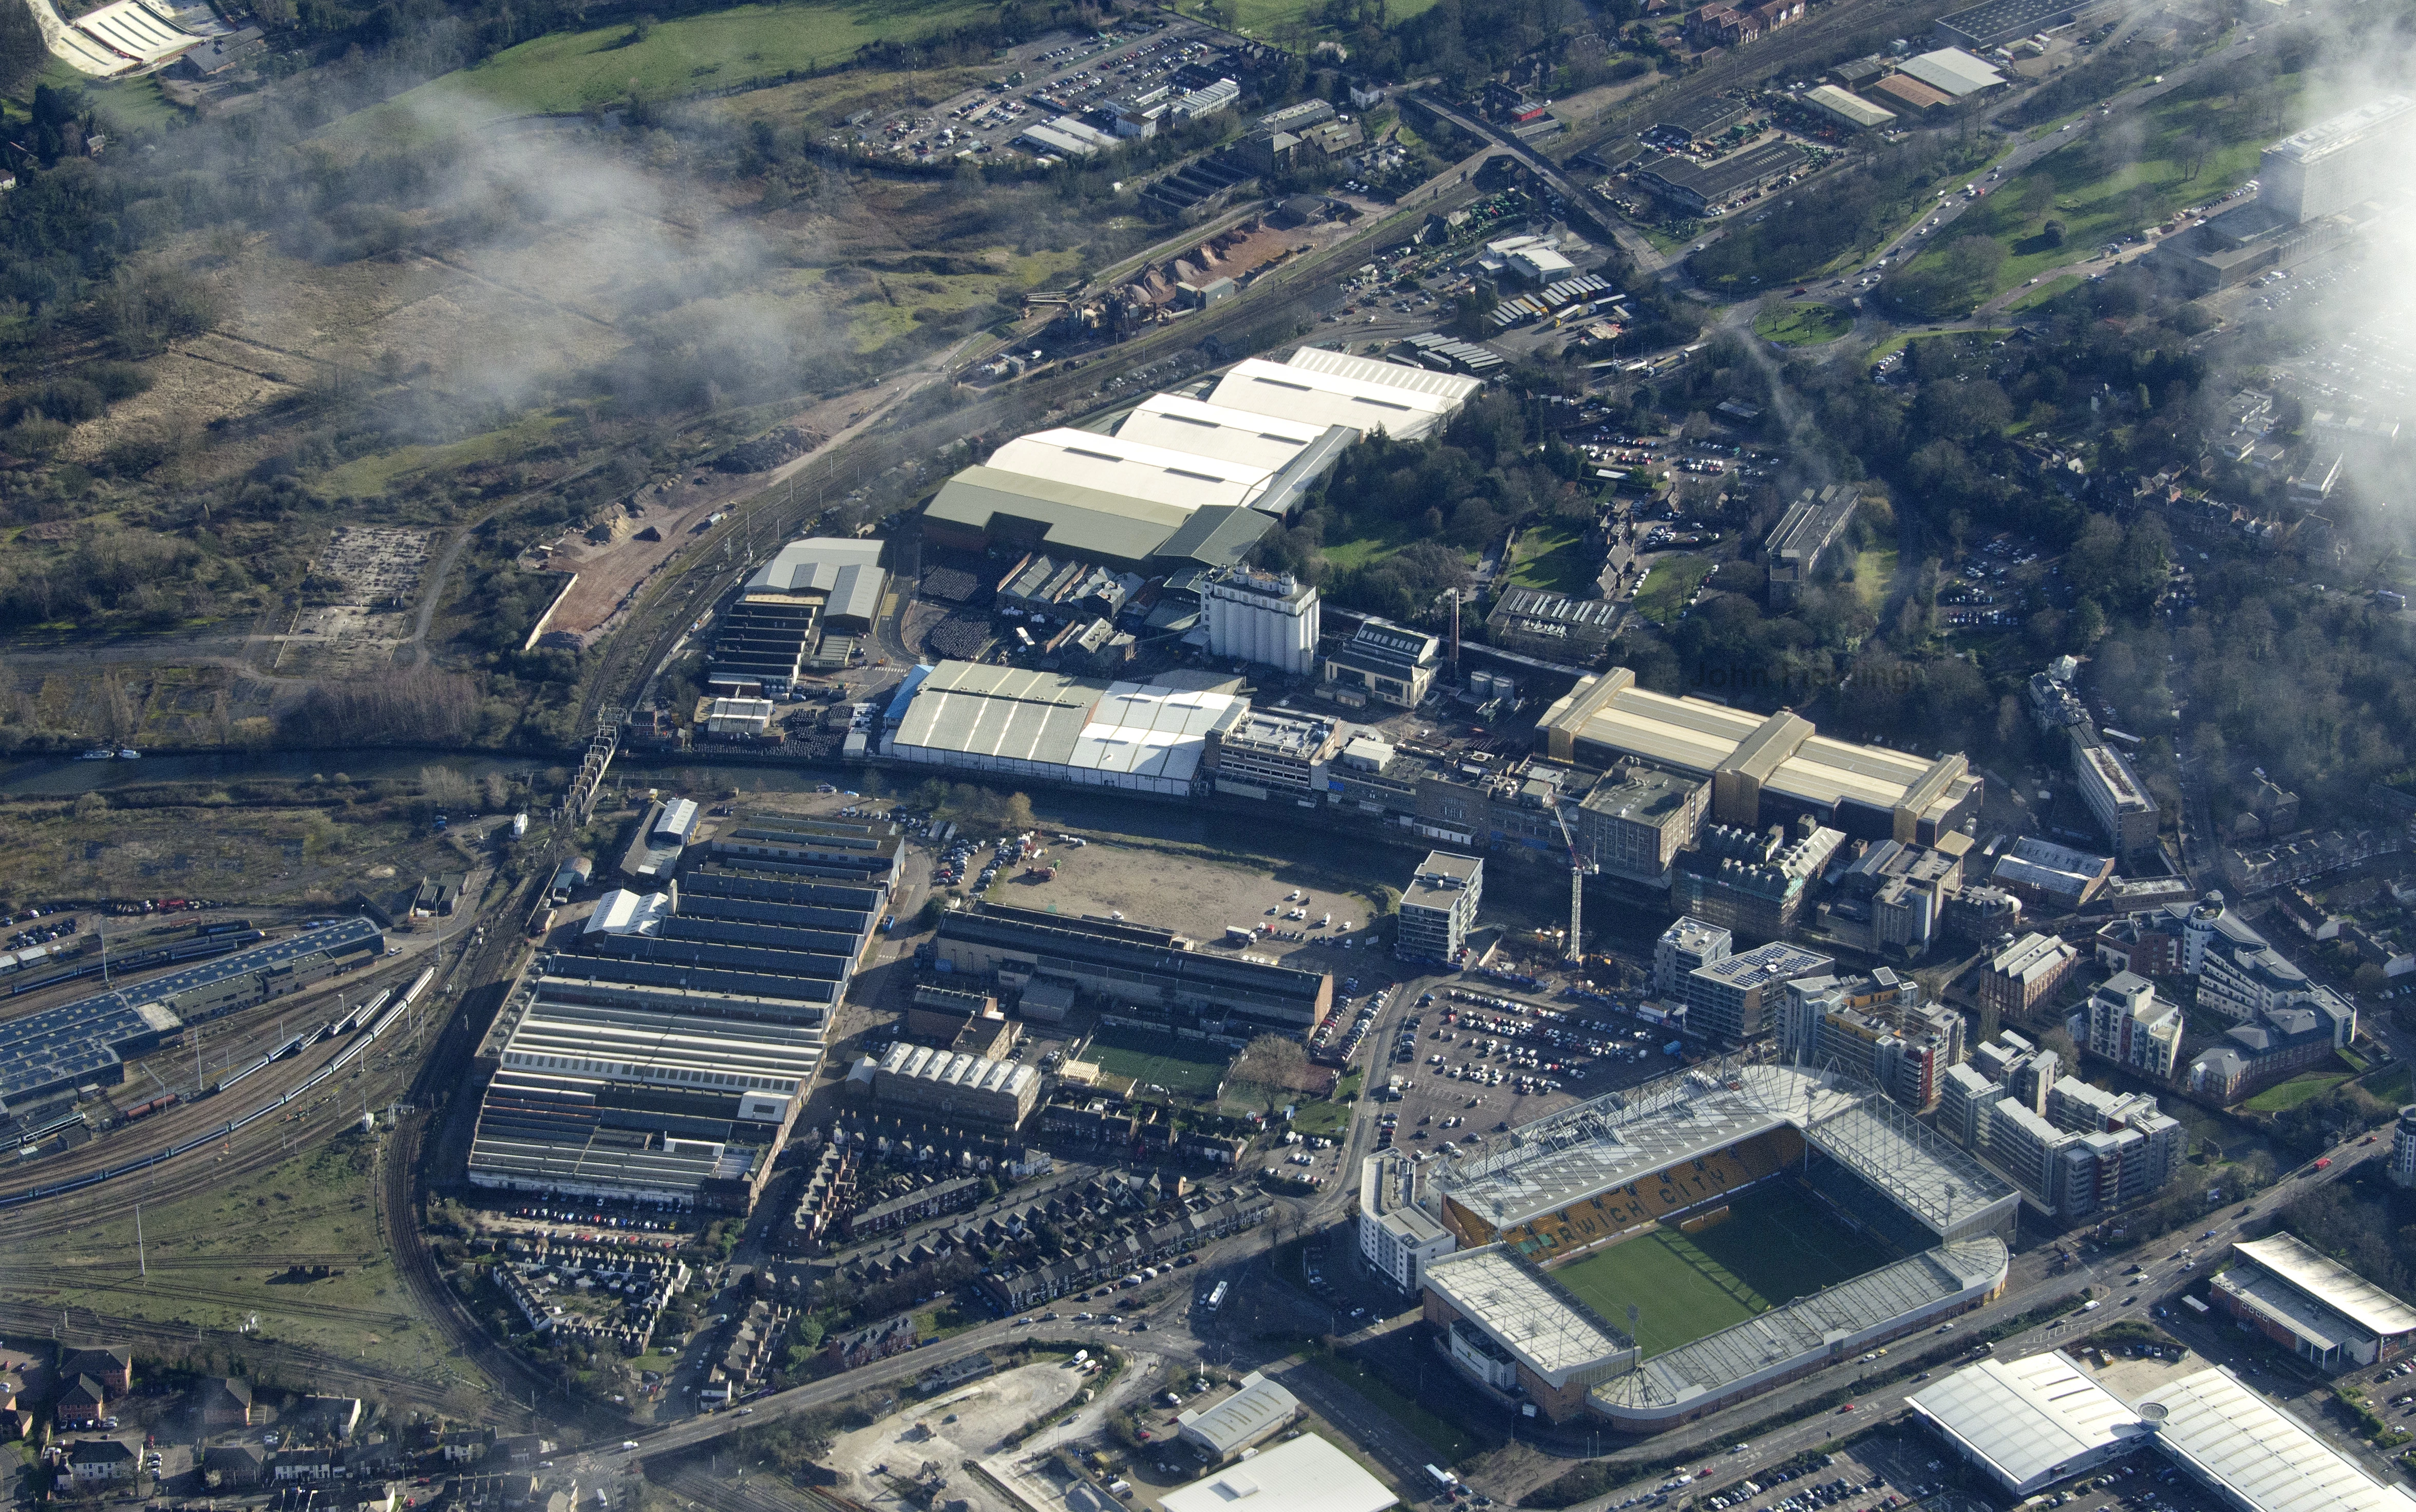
(1295,453)
(1953,73)
(1762,769)
(1440,907)
(982,509)
(1270,755)
(803,608)
(1265,617)
(862,851)
(1014,723)
(1995,23)
(616,1102)
(956,1088)
(1295,392)
(787,943)
(1700,189)
(1851,110)
(1116,465)
(1134,964)
(1384,663)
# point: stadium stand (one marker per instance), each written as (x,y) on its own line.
(1662,1194)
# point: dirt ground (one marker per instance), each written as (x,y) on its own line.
(982,1413)
(1197,897)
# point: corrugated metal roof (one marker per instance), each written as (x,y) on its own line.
(1264,387)
(1446,386)
(814,562)
(1203,430)
(2026,1419)
(1086,522)
(2233,1438)
(1113,464)
(1953,71)
(2331,1283)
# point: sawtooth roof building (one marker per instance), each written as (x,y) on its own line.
(1763,769)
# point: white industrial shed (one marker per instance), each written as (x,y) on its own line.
(1142,737)
(1133,468)
(1260,1408)
(1952,72)
(2031,1422)
(1324,399)
(1455,387)
(1306,1475)
(847,572)
(1205,430)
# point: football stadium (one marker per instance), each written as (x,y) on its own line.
(1653,1255)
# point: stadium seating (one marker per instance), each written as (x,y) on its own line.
(1688,1183)
(1852,1198)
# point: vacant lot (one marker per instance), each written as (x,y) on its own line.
(1194,894)
(1777,1244)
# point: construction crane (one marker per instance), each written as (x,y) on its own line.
(1578,869)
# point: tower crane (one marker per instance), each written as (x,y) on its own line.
(1579,868)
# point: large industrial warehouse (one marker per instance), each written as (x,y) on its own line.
(803,608)
(1009,721)
(622,1103)
(1763,769)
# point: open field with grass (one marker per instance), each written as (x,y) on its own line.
(566,72)
(1775,1246)
(2285,1095)
(1554,558)
(219,1257)
(2119,179)
(1445,1437)
(1366,550)
(1183,1068)
(1274,18)
(1667,586)
(1804,323)
(1874,574)
(2047,289)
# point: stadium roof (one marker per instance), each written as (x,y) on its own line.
(1249,1415)
(1083,522)
(1134,468)
(2257,1455)
(1953,71)
(1205,430)
(1306,1475)
(2027,1421)
(1322,399)
(1607,1142)
(1937,1182)
(2331,1283)
(1419,380)
(1527,1314)
(1834,1320)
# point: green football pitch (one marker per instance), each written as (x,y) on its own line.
(1777,1244)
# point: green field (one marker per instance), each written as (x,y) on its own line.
(2188,148)
(1777,1244)
(1553,558)
(566,72)
(1802,324)
(1445,1437)
(1667,586)
(1182,1066)
(1279,18)
(2283,1096)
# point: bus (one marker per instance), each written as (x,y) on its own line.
(1216,1297)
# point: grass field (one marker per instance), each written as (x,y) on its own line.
(1445,1437)
(1554,558)
(1181,1066)
(1874,573)
(1777,1244)
(1366,550)
(1668,584)
(566,72)
(1269,17)
(1802,324)
(2283,1096)
(2187,148)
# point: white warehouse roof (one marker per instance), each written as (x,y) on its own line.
(1951,70)
(2029,1422)
(2331,1283)
(1205,430)
(1114,464)
(1149,737)
(1451,386)
(1324,399)
(2259,1457)
(1306,1475)
(1241,1419)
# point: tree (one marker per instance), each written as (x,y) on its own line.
(2053,231)
(1277,1061)
(1017,814)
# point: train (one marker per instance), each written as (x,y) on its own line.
(144,1110)
(232,1126)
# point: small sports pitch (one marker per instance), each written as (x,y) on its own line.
(1185,1067)
(1776,1244)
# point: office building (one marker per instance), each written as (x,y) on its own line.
(1763,769)
(1265,617)
(1808,533)
(1136,966)
(2402,1148)
(1269,755)
(1397,1236)
(1384,663)
(1439,907)
(2337,163)
(2115,799)
(1683,947)
(1635,821)
(1736,998)
(1754,883)
(2127,1022)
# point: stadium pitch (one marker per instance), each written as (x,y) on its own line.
(1777,1243)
